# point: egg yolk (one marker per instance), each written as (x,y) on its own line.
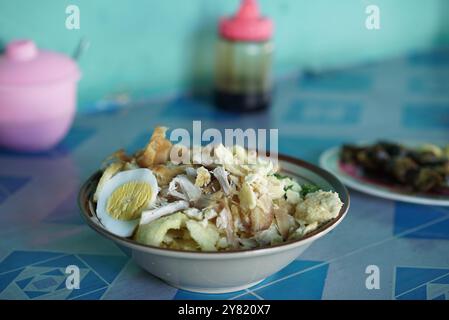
(129,200)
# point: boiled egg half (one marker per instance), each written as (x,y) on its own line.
(123,198)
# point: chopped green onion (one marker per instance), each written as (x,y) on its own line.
(280,176)
(308,188)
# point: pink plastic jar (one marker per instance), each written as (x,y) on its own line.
(37,96)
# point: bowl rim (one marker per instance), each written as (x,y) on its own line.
(85,201)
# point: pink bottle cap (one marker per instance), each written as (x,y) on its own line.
(24,64)
(247,24)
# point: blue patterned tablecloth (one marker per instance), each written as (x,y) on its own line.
(42,232)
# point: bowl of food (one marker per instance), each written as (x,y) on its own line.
(216,223)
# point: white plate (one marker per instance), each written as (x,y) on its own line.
(329,160)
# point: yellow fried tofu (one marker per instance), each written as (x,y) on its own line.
(206,236)
(154,232)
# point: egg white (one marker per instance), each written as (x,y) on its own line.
(121,227)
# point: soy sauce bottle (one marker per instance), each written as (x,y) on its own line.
(243,62)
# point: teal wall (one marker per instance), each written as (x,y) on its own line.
(141,48)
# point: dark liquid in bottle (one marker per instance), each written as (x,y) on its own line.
(242,102)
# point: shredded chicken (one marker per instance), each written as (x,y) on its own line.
(150,215)
(224,222)
(222,177)
(285,221)
(188,191)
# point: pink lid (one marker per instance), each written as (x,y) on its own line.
(24,64)
(247,24)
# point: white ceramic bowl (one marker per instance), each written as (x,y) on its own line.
(219,272)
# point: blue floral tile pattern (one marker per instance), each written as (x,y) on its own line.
(10,185)
(67,212)
(408,216)
(42,275)
(422,283)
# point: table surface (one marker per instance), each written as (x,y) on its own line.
(405,98)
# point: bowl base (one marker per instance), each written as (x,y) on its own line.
(217,290)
